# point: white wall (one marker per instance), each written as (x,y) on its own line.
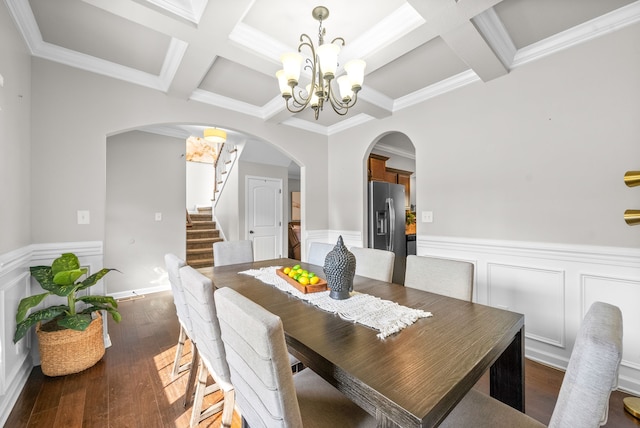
(15,137)
(200,182)
(15,208)
(145,175)
(536,155)
(71,120)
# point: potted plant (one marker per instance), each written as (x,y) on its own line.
(70,335)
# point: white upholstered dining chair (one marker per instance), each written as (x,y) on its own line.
(232,252)
(173,264)
(583,400)
(374,263)
(318,252)
(198,291)
(268,395)
(451,278)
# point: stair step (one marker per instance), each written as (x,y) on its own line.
(202,233)
(199,251)
(202,243)
(203,224)
(200,263)
(200,216)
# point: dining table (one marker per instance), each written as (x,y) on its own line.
(412,378)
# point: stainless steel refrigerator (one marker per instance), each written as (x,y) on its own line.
(387,223)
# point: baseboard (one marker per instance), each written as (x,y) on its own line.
(139,292)
(14,389)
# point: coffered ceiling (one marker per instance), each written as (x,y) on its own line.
(225,53)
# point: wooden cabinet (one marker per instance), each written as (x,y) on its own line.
(377,167)
(378,171)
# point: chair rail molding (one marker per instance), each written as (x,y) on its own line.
(553,285)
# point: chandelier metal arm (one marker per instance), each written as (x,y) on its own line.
(321,88)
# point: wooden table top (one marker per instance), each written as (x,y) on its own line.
(412,378)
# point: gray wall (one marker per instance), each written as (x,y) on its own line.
(15,138)
(146,174)
(72,118)
(537,155)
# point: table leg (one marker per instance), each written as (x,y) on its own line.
(507,374)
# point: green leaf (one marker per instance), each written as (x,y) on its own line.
(68,277)
(42,315)
(28,303)
(43,275)
(78,322)
(64,290)
(114,313)
(93,279)
(67,261)
(108,300)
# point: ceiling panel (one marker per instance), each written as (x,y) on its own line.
(422,67)
(236,81)
(236,45)
(285,20)
(80,27)
(529,21)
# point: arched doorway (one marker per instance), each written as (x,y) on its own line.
(390,204)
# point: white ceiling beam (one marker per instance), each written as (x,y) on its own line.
(206,46)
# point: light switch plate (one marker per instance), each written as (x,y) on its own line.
(427,216)
(158,216)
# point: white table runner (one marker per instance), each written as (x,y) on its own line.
(385,316)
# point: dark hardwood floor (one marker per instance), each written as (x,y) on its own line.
(132,387)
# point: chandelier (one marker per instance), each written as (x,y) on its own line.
(323,64)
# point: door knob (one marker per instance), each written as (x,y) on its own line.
(251,231)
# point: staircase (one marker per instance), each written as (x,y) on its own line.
(201,234)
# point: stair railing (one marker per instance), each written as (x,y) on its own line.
(225,159)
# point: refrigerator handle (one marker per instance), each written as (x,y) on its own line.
(392,224)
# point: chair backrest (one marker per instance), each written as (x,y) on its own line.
(318,252)
(198,292)
(451,278)
(592,372)
(232,252)
(374,263)
(259,362)
(173,264)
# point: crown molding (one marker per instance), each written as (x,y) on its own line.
(26,22)
(393,27)
(432,91)
(395,151)
(605,24)
(226,103)
(193,13)
(343,125)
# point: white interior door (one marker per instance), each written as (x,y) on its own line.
(264,217)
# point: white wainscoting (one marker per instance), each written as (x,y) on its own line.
(350,238)
(17,360)
(553,285)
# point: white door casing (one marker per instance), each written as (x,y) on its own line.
(264,216)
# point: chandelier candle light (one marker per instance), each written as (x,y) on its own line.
(323,64)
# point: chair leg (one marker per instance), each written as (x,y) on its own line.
(191,380)
(227,409)
(177,368)
(196,410)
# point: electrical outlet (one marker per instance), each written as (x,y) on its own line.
(427,216)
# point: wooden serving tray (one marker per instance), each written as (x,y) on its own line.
(320,286)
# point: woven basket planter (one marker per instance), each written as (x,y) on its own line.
(64,352)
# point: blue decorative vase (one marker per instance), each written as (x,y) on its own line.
(340,268)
